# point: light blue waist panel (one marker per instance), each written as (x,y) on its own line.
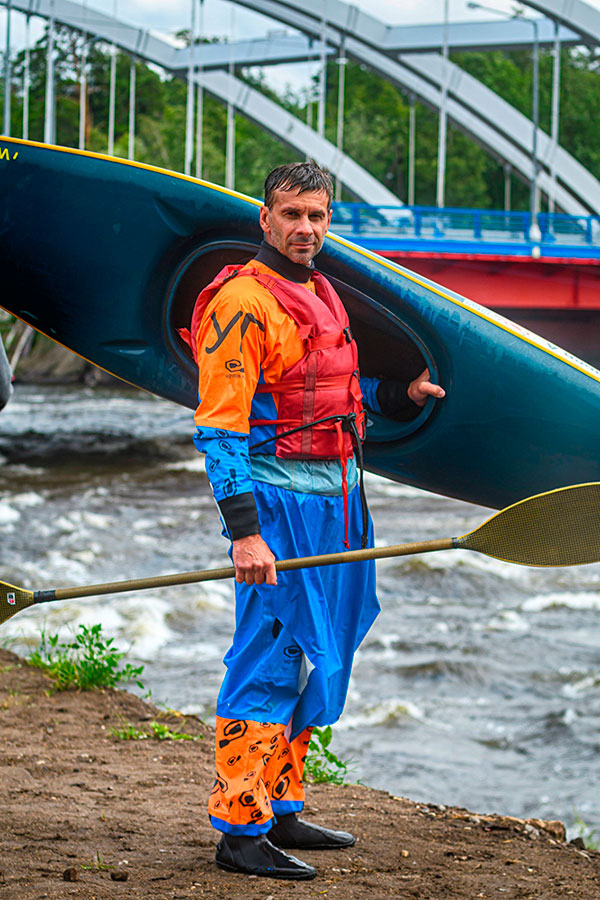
(308,476)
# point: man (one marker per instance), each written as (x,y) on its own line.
(279,402)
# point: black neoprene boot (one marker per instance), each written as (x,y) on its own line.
(258,856)
(290,831)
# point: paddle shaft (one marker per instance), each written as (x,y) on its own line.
(284,565)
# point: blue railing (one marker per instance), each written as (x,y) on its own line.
(431,223)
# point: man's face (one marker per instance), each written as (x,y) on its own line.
(296,223)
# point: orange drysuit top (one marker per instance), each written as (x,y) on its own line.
(244,336)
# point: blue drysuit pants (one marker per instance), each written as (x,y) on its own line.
(293,646)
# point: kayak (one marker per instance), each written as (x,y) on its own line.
(106,256)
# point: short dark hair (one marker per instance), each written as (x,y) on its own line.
(307,176)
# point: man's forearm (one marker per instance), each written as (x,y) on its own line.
(240,515)
(394,400)
(389,398)
(229,472)
(400,400)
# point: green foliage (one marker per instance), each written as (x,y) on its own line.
(588,835)
(97,865)
(579,117)
(509,74)
(129,732)
(89,661)
(322,765)
(163,733)
(159,732)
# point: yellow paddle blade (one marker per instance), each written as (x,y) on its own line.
(13,600)
(557,528)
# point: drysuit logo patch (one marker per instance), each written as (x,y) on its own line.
(11,599)
(222,333)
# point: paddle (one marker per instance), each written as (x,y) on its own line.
(556,528)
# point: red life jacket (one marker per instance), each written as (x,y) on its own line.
(323,385)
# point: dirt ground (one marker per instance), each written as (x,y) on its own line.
(85,815)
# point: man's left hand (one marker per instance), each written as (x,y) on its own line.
(422,388)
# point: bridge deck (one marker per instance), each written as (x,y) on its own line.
(470,232)
(488,257)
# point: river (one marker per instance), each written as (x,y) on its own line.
(478,686)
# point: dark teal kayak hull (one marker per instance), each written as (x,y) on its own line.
(107,256)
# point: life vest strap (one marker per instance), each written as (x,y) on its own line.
(327,422)
(328,383)
(185,335)
(344,464)
(253,422)
(324,341)
(298,426)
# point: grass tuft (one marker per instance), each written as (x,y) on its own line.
(159,732)
(98,864)
(87,662)
(588,835)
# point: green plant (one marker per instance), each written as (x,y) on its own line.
(89,661)
(98,864)
(588,835)
(129,733)
(322,765)
(163,733)
(159,732)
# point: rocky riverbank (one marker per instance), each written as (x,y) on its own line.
(36,359)
(88,815)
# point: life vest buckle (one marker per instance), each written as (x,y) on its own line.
(348,421)
(230,276)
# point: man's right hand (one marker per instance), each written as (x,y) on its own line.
(254,563)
